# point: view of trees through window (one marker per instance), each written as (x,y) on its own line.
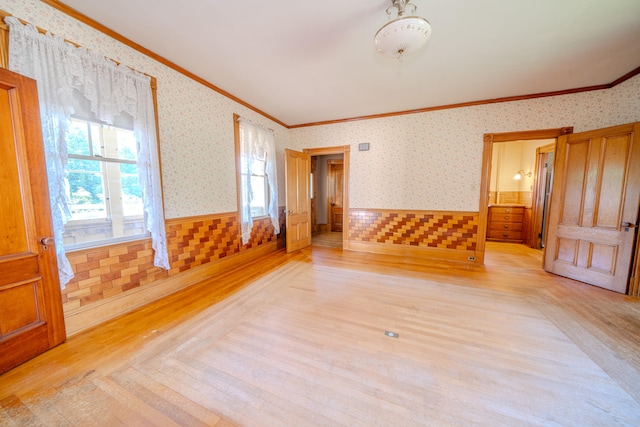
(259,189)
(106,199)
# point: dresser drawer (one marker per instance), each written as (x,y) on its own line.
(499,210)
(505,226)
(505,235)
(505,217)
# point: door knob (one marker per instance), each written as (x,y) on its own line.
(46,242)
(628,225)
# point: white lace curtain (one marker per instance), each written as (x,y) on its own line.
(60,69)
(256,142)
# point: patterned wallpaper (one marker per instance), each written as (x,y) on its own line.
(426,161)
(436,157)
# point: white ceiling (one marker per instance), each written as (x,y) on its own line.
(309,61)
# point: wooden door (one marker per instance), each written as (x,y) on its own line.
(31,317)
(297,173)
(314,194)
(335,176)
(594,206)
(543,178)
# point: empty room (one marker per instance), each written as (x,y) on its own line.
(373,212)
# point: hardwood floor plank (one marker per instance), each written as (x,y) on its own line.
(18,412)
(194,410)
(140,412)
(42,406)
(350,399)
(82,403)
(268,384)
(210,393)
(281,391)
(161,399)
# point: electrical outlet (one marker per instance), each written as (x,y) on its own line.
(471,258)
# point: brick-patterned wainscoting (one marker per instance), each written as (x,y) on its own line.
(428,234)
(114,279)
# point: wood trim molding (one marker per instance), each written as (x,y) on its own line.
(183,219)
(634,280)
(476,103)
(236,144)
(547,148)
(325,151)
(415,211)
(483,206)
(4,41)
(529,134)
(624,78)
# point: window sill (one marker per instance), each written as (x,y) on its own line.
(103,243)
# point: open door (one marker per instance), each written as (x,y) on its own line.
(541,192)
(31,317)
(297,172)
(594,206)
(335,172)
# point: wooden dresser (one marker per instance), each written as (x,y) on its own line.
(505,223)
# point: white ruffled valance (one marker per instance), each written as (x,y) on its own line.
(61,68)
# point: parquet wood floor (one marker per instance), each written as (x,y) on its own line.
(298,340)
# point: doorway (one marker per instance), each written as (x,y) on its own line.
(511,185)
(521,171)
(329,196)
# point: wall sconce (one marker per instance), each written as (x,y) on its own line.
(521,172)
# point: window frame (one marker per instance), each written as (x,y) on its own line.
(267,195)
(104,161)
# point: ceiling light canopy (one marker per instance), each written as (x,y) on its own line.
(403,35)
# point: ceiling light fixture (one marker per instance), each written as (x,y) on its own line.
(404,34)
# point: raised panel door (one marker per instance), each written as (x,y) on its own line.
(298,225)
(31,318)
(594,206)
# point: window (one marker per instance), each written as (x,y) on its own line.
(104,193)
(256,179)
(259,187)
(105,198)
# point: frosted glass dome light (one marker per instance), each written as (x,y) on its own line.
(402,35)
